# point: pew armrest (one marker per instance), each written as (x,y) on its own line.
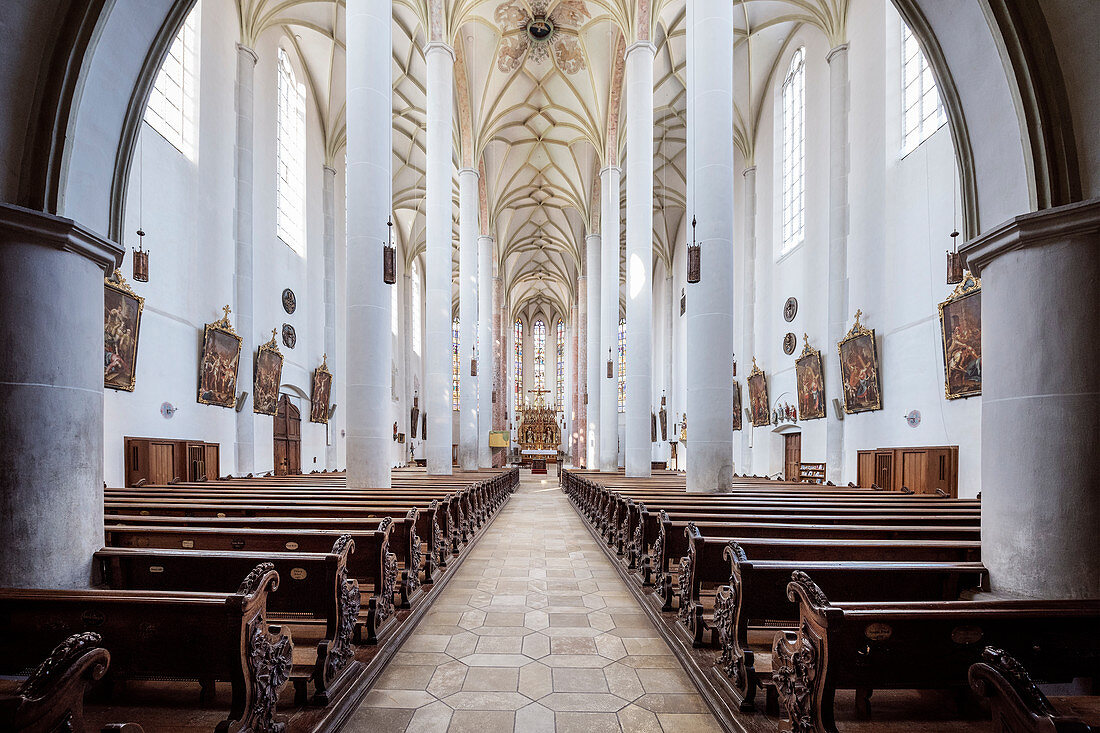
(54,692)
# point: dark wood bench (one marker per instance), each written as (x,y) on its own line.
(864,646)
(316,599)
(166,635)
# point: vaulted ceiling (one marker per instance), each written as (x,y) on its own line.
(538,111)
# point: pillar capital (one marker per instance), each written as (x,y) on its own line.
(328,169)
(842,48)
(641,46)
(469,172)
(1029,230)
(610,168)
(748,169)
(247,52)
(27,226)
(435,46)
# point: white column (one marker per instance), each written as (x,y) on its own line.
(245,447)
(610,180)
(407,326)
(500,358)
(328,204)
(467,318)
(709,302)
(670,349)
(838,253)
(581,383)
(369,344)
(639,257)
(485,361)
(594,375)
(748,314)
(569,356)
(437,224)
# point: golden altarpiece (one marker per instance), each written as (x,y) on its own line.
(538,426)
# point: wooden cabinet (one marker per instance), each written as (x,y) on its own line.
(922,469)
(162,460)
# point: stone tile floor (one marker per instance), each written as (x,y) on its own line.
(536,632)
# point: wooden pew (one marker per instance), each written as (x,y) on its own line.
(373,566)
(316,597)
(168,635)
(1019,706)
(51,697)
(918,645)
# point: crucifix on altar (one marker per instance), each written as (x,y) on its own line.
(539,435)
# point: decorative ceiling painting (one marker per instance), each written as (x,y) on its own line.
(537,34)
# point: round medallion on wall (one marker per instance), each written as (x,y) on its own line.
(789,342)
(790,309)
(289,336)
(290,303)
(913,418)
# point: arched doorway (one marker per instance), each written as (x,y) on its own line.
(287,438)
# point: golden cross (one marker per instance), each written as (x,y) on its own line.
(227,312)
(859,313)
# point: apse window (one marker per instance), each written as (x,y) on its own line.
(622,365)
(559,388)
(172,103)
(290,187)
(517,364)
(922,110)
(456,364)
(793,158)
(538,335)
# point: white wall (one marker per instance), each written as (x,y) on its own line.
(187,212)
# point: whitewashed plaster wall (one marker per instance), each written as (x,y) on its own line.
(187,212)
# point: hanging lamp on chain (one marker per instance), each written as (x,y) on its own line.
(473,362)
(955,263)
(694,263)
(389,256)
(610,365)
(141,255)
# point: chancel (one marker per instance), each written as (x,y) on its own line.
(520,243)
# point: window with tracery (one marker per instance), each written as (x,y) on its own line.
(517,364)
(172,103)
(290,156)
(456,364)
(922,111)
(538,337)
(622,365)
(559,388)
(793,209)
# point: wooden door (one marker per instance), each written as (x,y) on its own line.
(792,456)
(162,461)
(287,438)
(884,469)
(196,462)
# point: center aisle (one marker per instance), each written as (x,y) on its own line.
(535,632)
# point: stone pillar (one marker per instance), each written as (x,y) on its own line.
(748,314)
(368,412)
(639,257)
(581,382)
(328,202)
(245,446)
(670,349)
(1040,405)
(838,256)
(610,223)
(467,317)
(51,398)
(407,326)
(437,224)
(595,373)
(500,358)
(710,304)
(485,363)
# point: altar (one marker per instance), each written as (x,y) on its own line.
(539,434)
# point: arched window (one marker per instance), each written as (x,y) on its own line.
(290,155)
(922,111)
(559,389)
(538,335)
(171,108)
(517,363)
(794,153)
(455,364)
(622,365)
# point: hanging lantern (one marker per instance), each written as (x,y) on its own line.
(473,362)
(954,261)
(415,414)
(610,366)
(141,259)
(663,417)
(694,257)
(389,256)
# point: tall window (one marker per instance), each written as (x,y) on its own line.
(171,108)
(415,298)
(622,365)
(456,364)
(794,152)
(923,112)
(538,335)
(290,154)
(559,389)
(517,368)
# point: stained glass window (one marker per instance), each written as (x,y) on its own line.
(622,365)
(538,335)
(794,152)
(455,364)
(922,112)
(559,390)
(517,347)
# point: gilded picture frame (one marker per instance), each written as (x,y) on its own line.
(859,369)
(758,396)
(219,363)
(809,382)
(266,377)
(737,409)
(961,335)
(320,393)
(122,309)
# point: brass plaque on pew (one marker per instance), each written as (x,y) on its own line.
(188,544)
(966,634)
(298,573)
(878,632)
(93,618)
(292,545)
(221,515)
(156,568)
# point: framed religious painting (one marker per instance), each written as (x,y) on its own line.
(961,328)
(221,357)
(758,396)
(809,382)
(266,378)
(321,392)
(737,410)
(859,369)
(121,325)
